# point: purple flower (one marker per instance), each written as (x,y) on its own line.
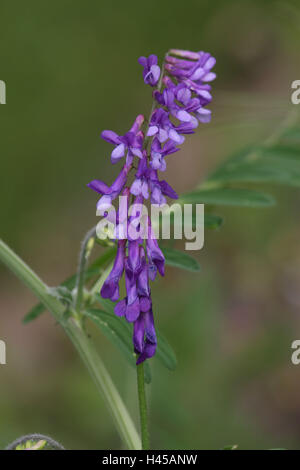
(134,262)
(160,189)
(109,192)
(202,90)
(189,104)
(140,184)
(158,154)
(167,99)
(186,54)
(162,127)
(144,336)
(151,72)
(130,306)
(110,288)
(143,279)
(195,70)
(155,256)
(132,141)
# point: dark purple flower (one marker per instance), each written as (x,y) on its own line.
(132,141)
(130,306)
(155,255)
(143,280)
(134,262)
(151,72)
(110,288)
(144,336)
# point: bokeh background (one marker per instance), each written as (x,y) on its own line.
(71,71)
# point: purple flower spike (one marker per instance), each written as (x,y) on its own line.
(151,72)
(110,288)
(181,96)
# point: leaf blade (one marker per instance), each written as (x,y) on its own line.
(229,197)
(178,259)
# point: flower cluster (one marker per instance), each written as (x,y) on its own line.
(181,93)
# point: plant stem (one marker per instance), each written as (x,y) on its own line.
(83,258)
(81,342)
(105,385)
(143,406)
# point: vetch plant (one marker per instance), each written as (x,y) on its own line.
(181,93)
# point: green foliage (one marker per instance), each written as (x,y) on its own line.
(69,283)
(212,221)
(229,197)
(32,445)
(275,162)
(181,260)
(120,331)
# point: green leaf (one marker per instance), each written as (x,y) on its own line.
(61,293)
(230,447)
(70,282)
(116,329)
(292,135)
(104,259)
(277,164)
(119,332)
(178,259)
(229,197)
(34,313)
(164,351)
(213,222)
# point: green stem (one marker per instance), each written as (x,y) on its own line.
(143,406)
(81,342)
(83,258)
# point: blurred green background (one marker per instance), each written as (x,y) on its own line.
(71,71)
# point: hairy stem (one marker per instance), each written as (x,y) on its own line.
(83,258)
(143,406)
(82,344)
